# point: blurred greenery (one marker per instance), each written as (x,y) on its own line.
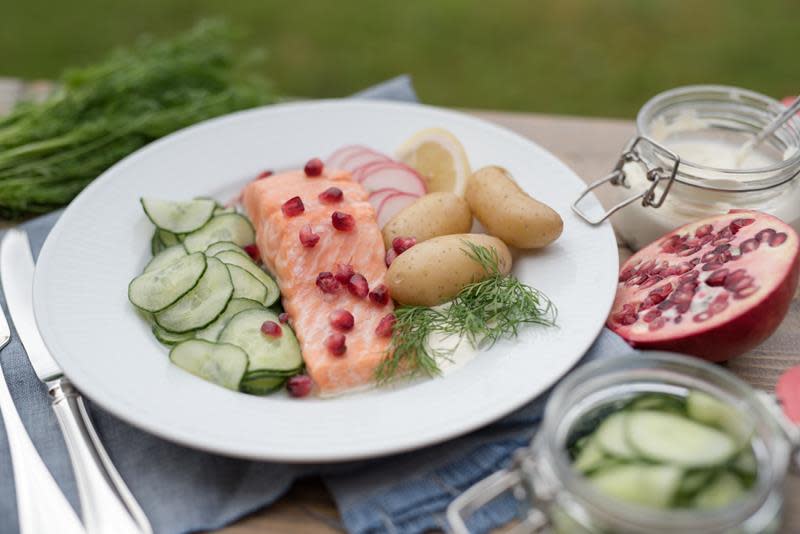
(589,57)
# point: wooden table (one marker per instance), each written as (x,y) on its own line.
(590,147)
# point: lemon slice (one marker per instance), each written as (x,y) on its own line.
(439,157)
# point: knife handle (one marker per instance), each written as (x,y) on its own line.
(40,502)
(107,504)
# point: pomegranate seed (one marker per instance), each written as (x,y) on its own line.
(749,245)
(379,295)
(390,256)
(331,195)
(688,251)
(738,224)
(703,230)
(271,328)
(299,386)
(719,304)
(253,252)
(647,266)
(335,343)
(263,174)
(652,314)
(342,320)
(745,292)
(293,207)
(386,325)
(307,236)
(342,272)
(658,323)
(313,168)
(765,235)
(401,244)
(344,222)
(778,239)
(327,283)
(717,278)
(283,318)
(358,286)
(625,275)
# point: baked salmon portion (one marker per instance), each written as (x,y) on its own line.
(297,268)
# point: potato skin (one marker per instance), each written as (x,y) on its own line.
(434,271)
(430,216)
(508,212)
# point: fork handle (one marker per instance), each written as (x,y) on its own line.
(107,504)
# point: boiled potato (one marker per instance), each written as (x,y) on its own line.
(430,216)
(434,271)
(508,212)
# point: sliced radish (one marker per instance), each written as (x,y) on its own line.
(365,170)
(339,156)
(393,176)
(376,198)
(392,205)
(366,156)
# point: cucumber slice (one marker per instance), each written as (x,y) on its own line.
(156,245)
(165,257)
(262,386)
(211,332)
(200,306)
(745,463)
(660,402)
(221,246)
(695,481)
(221,364)
(170,338)
(722,491)
(157,289)
(245,285)
(590,458)
(168,239)
(648,485)
(611,438)
(708,410)
(230,227)
(178,217)
(221,210)
(670,438)
(234,258)
(266,353)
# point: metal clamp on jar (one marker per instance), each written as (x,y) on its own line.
(557,498)
(686,163)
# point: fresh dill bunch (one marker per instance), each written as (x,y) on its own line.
(410,353)
(483,312)
(497,306)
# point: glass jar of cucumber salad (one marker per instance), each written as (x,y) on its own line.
(649,444)
(687,162)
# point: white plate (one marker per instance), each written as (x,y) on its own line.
(103,240)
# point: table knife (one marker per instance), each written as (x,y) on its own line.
(107,505)
(41,506)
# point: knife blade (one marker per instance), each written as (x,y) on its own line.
(16,266)
(107,504)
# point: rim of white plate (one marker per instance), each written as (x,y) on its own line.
(115,395)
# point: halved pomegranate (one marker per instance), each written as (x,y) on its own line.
(714,288)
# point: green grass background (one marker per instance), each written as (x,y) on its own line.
(588,57)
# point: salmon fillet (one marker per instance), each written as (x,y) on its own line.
(296,268)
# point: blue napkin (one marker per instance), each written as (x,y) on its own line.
(185,490)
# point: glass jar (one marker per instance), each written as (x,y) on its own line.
(558,499)
(685,163)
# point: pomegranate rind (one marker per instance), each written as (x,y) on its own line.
(743,322)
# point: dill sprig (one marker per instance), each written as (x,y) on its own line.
(497,306)
(483,312)
(410,352)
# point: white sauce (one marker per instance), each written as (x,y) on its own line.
(697,143)
(462,351)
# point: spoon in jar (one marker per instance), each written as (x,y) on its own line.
(768,130)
